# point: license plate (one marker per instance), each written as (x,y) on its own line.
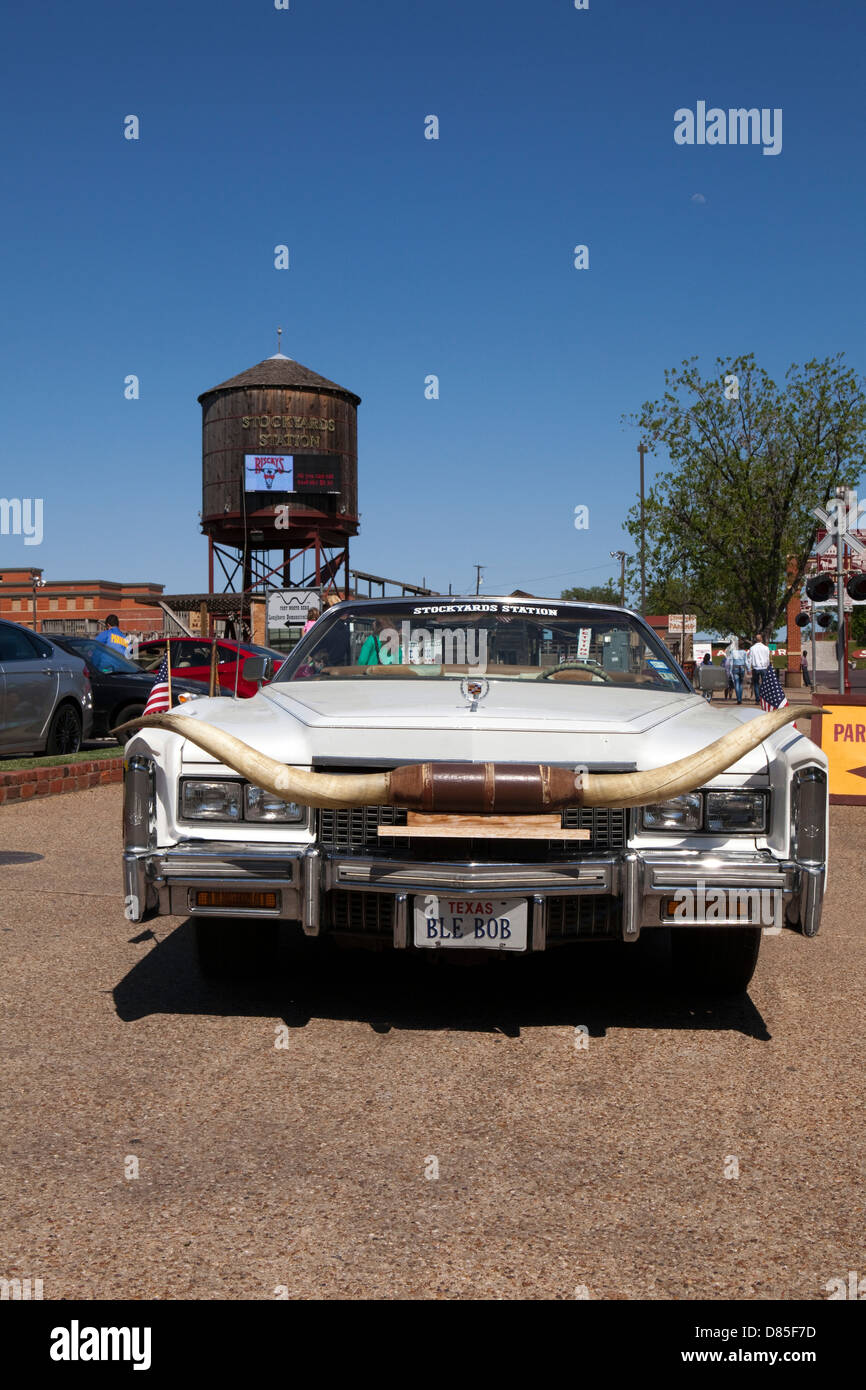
(489,924)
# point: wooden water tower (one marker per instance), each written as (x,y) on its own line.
(279,479)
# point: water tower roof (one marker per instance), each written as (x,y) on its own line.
(280,370)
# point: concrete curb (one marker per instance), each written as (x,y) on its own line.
(24,783)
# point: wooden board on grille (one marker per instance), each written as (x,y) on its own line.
(423,826)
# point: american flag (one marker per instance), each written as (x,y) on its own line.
(158,700)
(772,694)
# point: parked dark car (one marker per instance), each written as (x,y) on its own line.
(120,688)
(46,702)
(190,658)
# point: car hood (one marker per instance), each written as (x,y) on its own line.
(367,723)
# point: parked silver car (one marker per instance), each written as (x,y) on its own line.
(46,703)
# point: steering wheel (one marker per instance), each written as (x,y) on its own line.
(598,671)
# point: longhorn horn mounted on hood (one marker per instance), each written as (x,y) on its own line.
(476,788)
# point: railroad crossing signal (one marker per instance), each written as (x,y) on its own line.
(841,523)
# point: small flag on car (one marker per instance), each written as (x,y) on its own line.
(159,698)
(772,694)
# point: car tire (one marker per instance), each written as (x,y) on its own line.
(65,730)
(235,948)
(716,961)
(128,712)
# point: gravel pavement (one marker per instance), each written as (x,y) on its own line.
(311,1167)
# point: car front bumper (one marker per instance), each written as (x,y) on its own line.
(602,896)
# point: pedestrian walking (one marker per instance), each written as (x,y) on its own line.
(735,665)
(758,662)
(727,663)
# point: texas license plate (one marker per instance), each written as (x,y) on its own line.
(490,924)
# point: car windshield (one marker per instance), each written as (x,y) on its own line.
(102,657)
(491,640)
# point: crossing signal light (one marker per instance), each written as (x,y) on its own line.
(856,588)
(825,619)
(802,620)
(820,588)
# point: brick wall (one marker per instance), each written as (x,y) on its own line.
(24,783)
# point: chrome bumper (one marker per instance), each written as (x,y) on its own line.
(165,881)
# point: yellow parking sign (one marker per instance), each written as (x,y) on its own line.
(841,732)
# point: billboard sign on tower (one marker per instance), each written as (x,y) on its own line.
(291,473)
(266,472)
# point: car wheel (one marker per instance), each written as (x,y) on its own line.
(234,948)
(715,960)
(128,712)
(64,735)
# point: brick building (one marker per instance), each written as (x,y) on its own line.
(79,606)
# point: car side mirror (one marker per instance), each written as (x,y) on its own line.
(255,668)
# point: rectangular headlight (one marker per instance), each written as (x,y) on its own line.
(263,806)
(218,800)
(681,813)
(736,811)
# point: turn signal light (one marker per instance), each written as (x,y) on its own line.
(221,897)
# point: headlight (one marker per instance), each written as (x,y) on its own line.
(262,805)
(210,800)
(681,813)
(736,811)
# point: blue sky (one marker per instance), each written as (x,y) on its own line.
(408,256)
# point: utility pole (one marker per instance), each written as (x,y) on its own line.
(478,569)
(683,638)
(841,527)
(641,448)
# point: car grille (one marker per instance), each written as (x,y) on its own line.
(583,918)
(362,914)
(356,829)
(573,918)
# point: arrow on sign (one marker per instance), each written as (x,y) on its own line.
(857,771)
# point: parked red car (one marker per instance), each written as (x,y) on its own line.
(190,659)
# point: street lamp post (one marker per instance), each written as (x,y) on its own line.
(620,555)
(36,582)
(641,448)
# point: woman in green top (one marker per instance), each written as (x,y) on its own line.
(381,648)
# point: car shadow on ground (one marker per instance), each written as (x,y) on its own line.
(594,985)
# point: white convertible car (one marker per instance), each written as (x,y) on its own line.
(498,775)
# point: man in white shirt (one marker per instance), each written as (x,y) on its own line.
(758,661)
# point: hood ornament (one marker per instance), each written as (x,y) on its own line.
(473,689)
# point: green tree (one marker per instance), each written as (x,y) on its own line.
(594,593)
(736,499)
(858,627)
